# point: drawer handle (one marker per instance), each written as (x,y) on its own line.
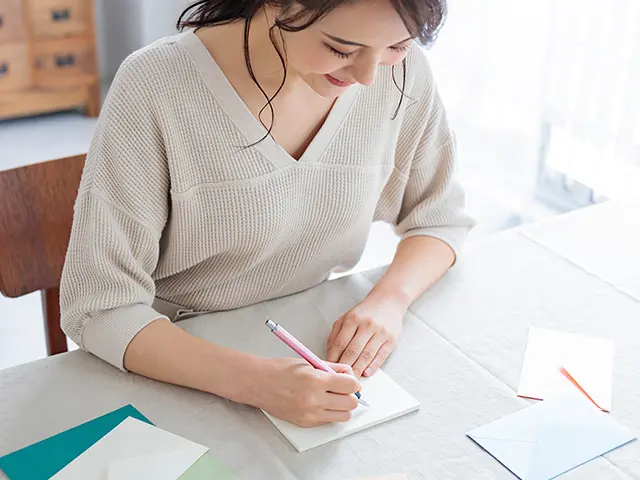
(63,61)
(1,20)
(61,15)
(4,69)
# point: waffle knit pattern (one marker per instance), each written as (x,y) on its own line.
(173,205)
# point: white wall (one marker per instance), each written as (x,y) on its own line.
(159,18)
(124,26)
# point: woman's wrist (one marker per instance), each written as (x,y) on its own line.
(235,376)
(381,293)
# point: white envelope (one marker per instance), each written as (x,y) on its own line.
(551,437)
(588,362)
(134,450)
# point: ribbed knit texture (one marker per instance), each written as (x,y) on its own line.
(172,205)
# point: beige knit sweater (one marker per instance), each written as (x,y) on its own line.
(171,205)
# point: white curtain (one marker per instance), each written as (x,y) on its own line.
(591,95)
(551,84)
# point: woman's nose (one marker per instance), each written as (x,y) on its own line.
(364,72)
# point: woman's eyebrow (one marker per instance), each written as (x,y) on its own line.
(355,44)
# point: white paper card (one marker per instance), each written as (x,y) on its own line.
(134,450)
(588,360)
(387,401)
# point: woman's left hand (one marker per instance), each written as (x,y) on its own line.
(366,335)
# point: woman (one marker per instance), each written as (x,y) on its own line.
(245,159)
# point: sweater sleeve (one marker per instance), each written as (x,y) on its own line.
(433,203)
(122,207)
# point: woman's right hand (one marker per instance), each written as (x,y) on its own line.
(293,390)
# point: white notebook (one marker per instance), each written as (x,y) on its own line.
(387,401)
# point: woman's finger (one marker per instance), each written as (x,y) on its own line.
(368,353)
(337,325)
(339,402)
(356,346)
(341,368)
(344,336)
(382,355)
(335,416)
(341,383)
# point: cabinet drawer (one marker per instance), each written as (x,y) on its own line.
(64,62)
(11,21)
(14,67)
(59,18)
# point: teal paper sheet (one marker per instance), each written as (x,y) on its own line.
(44,459)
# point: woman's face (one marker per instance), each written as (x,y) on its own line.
(347,46)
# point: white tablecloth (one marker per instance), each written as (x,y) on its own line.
(460,355)
(603,241)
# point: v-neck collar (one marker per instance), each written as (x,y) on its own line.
(247,123)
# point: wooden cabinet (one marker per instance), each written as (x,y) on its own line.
(47,57)
(11,22)
(64,63)
(56,18)
(14,67)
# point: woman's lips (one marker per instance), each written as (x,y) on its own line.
(336,82)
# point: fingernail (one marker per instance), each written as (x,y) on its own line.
(368,372)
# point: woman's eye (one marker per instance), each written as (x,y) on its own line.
(401,48)
(338,53)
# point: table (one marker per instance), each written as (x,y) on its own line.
(460,355)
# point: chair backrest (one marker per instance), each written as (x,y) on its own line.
(36,214)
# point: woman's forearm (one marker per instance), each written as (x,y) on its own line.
(165,352)
(418,263)
(162,351)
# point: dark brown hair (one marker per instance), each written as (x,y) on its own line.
(422,18)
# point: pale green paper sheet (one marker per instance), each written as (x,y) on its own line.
(207,468)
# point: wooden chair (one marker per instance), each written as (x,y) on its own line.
(36,213)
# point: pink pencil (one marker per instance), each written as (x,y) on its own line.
(294,344)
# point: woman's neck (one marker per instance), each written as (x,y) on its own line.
(227,45)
